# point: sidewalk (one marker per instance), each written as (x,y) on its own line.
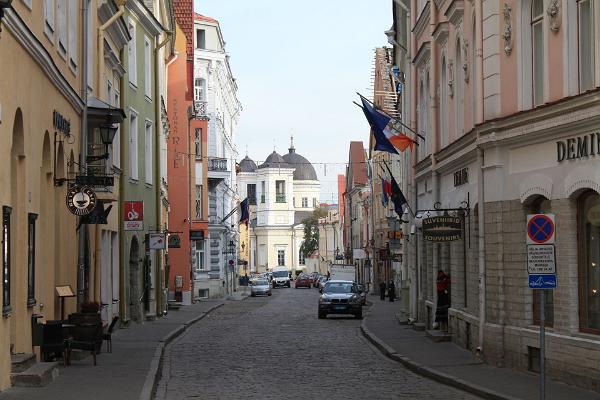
(448,363)
(126,373)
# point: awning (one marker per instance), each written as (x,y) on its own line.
(101,113)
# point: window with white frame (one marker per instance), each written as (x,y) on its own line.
(61,22)
(301,258)
(133,146)
(443,105)
(304,202)
(73,37)
(148,152)
(147,68)
(200,89)
(586,44)
(199,246)
(132,53)
(537,43)
(281,258)
(198,143)
(200,39)
(49,18)
(198,202)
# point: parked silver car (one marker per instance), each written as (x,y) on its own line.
(260,287)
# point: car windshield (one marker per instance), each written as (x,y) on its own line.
(261,283)
(280,274)
(338,287)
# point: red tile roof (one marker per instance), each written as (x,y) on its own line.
(184,15)
(200,17)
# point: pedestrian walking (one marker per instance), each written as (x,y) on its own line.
(391,291)
(382,290)
(443,299)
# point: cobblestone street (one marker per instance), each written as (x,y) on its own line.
(275,348)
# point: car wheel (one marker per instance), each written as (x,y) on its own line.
(252,295)
(322,315)
(358,315)
(270,293)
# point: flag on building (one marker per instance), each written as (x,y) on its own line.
(245,211)
(386,130)
(397,198)
(384,194)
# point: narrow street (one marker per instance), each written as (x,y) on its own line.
(275,348)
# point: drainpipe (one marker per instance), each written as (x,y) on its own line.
(413,118)
(481,242)
(82,151)
(479,56)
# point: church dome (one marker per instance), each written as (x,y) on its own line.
(274,161)
(304,169)
(247,165)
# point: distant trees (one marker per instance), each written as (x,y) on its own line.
(311,231)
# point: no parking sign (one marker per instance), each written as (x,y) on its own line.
(541,257)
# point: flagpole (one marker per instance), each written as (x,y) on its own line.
(395,119)
(392,175)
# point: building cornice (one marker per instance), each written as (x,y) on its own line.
(423,54)
(15,25)
(440,34)
(118,30)
(112,61)
(422,21)
(145,17)
(455,11)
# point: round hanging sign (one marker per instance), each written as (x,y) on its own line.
(81,200)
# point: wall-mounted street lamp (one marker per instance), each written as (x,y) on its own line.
(3,4)
(107,135)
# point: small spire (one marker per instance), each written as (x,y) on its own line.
(273,144)
(246,150)
(292,149)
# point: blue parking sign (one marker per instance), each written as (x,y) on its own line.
(542,281)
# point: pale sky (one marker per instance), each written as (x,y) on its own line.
(298,65)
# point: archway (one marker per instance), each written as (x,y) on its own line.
(134,281)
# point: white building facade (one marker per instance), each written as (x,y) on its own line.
(216,90)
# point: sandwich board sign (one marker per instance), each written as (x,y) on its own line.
(541,254)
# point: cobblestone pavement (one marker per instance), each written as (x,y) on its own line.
(276,348)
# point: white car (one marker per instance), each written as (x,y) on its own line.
(281,277)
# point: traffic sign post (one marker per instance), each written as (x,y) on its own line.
(541,270)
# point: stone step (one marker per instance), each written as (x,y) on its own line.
(39,374)
(419,326)
(20,362)
(438,336)
(401,318)
(174,305)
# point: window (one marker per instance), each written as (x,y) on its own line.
(537,42)
(459,85)
(31,259)
(198,202)
(280,191)
(304,202)
(200,39)
(147,69)
(443,106)
(132,54)
(301,258)
(116,144)
(6,309)
(49,18)
(61,16)
(315,202)
(281,258)
(133,146)
(586,45)
(262,192)
(541,206)
(200,89)
(588,221)
(251,193)
(199,250)
(148,152)
(73,48)
(198,143)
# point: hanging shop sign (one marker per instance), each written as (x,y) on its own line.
(95,180)
(133,215)
(442,229)
(174,242)
(81,200)
(156,241)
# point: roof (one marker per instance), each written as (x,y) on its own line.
(200,17)
(357,163)
(184,15)
(304,169)
(247,165)
(274,161)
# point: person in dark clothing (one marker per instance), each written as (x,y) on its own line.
(443,299)
(382,290)
(391,291)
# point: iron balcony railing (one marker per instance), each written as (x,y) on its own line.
(280,198)
(217,164)
(200,108)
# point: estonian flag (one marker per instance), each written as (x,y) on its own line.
(244,212)
(386,130)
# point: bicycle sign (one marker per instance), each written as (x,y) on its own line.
(133,215)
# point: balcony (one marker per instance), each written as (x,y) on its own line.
(200,108)
(218,168)
(280,198)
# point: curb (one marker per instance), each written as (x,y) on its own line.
(431,373)
(156,364)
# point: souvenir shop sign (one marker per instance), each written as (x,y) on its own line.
(442,229)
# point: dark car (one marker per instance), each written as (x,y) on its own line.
(340,297)
(302,281)
(313,277)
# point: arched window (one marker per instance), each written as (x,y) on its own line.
(588,226)
(585,44)
(537,43)
(443,105)
(459,84)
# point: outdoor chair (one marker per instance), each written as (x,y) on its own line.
(53,342)
(86,334)
(107,336)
